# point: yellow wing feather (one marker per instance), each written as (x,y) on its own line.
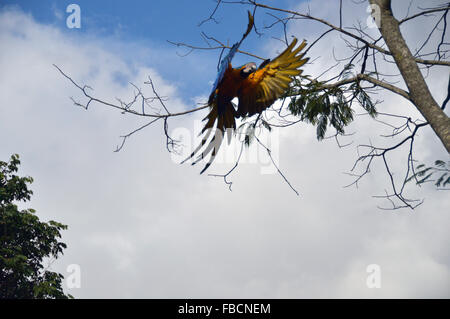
(269,83)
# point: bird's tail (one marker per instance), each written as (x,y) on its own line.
(224,114)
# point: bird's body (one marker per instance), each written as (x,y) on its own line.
(229,87)
(256,89)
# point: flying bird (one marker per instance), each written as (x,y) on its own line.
(257,88)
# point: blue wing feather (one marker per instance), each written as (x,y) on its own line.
(224,65)
(227,59)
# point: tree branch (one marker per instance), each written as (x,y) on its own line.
(345,32)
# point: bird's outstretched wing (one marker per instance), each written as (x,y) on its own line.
(221,112)
(225,62)
(270,81)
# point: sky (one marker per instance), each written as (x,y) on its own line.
(143,226)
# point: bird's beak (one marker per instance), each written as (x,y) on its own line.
(251,67)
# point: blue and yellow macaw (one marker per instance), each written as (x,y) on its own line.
(257,88)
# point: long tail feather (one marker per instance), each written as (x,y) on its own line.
(225,122)
(203,142)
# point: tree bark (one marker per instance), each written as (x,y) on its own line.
(420,94)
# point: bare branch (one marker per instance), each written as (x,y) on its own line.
(221,46)
(343,31)
(424,13)
(211,16)
(269,152)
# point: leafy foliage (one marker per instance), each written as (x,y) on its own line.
(328,106)
(25,241)
(363,99)
(248,129)
(423,174)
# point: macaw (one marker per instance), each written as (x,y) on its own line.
(257,88)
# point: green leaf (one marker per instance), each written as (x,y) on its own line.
(439,163)
(441,169)
(25,241)
(440,180)
(266,125)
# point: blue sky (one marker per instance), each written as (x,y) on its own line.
(142,225)
(156,20)
(151,24)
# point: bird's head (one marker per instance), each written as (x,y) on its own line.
(248,69)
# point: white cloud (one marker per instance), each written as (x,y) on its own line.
(143,226)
